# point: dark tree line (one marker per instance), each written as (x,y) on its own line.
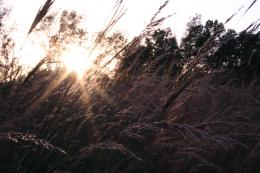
(161,54)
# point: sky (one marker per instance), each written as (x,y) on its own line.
(139,12)
(138,15)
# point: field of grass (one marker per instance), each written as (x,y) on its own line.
(140,120)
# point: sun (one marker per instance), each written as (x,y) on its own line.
(76,59)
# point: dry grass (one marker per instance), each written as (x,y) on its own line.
(196,122)
(211,126)
(41,14)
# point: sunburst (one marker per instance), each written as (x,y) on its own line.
(77,59)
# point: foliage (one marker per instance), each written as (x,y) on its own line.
(9,68)
(160,49)
(68,32)
(240,50)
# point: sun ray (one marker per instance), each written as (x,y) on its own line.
(53,84)
(76,59)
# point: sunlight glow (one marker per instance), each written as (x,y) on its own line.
(76,59)
(31,53)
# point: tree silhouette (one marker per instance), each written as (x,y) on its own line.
(9,67)
(192,41)
(239,51)
(197,34)
(158,54)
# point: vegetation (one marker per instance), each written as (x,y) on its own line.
(189,108)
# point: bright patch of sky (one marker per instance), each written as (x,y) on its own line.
(139,13)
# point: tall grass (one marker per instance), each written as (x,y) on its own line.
(194,122)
